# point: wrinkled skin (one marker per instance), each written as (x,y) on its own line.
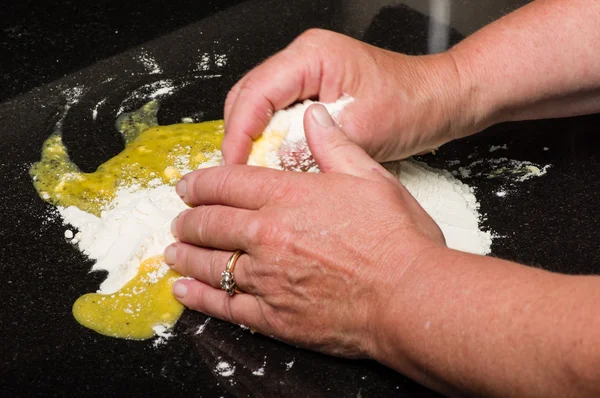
(323,251)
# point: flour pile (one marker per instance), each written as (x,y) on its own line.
(136,224)
(448,201)
(134,227)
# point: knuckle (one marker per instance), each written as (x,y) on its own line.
(181,222)
(234,91)
(215,266)
(202,221)
(340,147)
(272,233)
(263,231)
(312,35)
(230,98)
(193,187)
(224,182)
(281,188)
(186,264)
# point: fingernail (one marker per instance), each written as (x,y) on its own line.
(174,226)
(322,116)
(222,162)
(170,254)
(179,290)
(181,188)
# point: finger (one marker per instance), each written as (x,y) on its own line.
(241,309)
(334,152)
(206,265)
(279,82)
(219,227)
(238,186)
(231,98)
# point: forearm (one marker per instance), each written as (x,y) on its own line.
(540,61)
(462,322)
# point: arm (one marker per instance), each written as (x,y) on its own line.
(540,61)
(461,322)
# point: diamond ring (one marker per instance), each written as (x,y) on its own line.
(227,279)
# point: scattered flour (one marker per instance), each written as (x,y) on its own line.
(147,92)
(509,169)
(260,371)
(158,89)
(288,365)
(96,107)
(202,327)
(162,333)
(209,61)
(225,369)
(494,148)
(72,96)
(150,64)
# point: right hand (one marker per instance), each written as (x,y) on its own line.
(324,253)
(403,104)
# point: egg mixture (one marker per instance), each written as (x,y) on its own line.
(153,155)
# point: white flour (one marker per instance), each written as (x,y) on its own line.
(209,61)
(150,64)
(448,201)
(136,225)
(225,369)
(508,169)
(283,142)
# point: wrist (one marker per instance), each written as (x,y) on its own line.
(482,103)
(395,320)
(451,97)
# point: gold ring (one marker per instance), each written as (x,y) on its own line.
(227,279)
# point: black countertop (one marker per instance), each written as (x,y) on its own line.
(64,59)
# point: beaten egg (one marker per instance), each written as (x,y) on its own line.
(153,155)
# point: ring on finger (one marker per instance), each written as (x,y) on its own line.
(227,278)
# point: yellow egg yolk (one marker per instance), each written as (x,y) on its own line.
(156,155)
(137,309)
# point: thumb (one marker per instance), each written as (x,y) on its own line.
(333,151)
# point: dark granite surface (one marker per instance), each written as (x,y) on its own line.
(550,221)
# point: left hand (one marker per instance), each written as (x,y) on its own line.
(323,252)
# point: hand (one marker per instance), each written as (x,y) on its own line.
(323,252)
(403,104)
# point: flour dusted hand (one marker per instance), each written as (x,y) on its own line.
(403,105)
(307,266)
